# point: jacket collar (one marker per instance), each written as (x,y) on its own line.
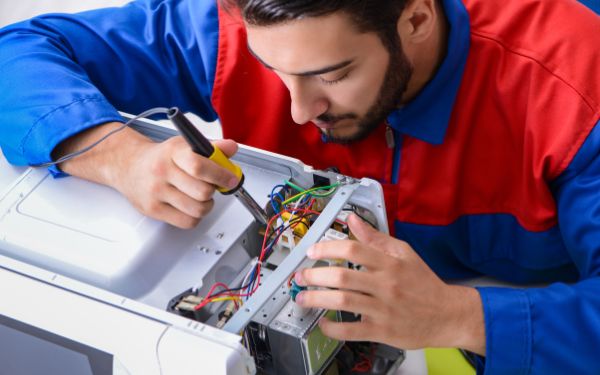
(426,117)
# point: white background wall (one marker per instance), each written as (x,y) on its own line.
(13,11)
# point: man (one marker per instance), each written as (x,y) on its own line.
(479,119)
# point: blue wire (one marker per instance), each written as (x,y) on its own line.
(273,202)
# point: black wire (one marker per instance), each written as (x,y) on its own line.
(290,223)
(470,357)
(355,211)
(72,155)
(267,254)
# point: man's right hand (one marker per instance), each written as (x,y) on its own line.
(166,181)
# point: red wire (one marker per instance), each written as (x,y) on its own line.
(367,363)
(210,297)
(363,366)
(264,244)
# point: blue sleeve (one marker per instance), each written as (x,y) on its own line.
(556,329)
(61,74)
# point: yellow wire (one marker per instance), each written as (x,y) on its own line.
(304,193)
(230,298)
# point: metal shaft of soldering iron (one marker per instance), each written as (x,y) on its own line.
(202,146)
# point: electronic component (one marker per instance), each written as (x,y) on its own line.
(301,346)
(184,304)
(228,313)
(301,223)
(295,289)
(334,235)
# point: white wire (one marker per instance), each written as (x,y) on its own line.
(247,278)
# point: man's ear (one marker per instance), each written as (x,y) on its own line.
(417,21)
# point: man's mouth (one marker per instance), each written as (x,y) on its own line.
(324,125)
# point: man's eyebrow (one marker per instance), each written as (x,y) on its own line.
(317,72)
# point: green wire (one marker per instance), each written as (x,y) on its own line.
(310,192)
(290,183)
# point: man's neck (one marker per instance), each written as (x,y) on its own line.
(428,59)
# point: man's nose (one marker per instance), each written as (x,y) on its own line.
(307,103)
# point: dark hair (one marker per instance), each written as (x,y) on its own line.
(379,16)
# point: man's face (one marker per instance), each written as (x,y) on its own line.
(344,81)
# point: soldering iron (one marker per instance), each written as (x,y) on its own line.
(202,146)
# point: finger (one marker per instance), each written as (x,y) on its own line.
(349,331)
(169,214)
(379,241)
(228,146)
(362,231)
(187,205)
(198,190)
(353,251)
(336,277)
(204,169)
(343,300)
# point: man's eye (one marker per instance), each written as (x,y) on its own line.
(333,82)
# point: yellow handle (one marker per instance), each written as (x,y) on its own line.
(219,157)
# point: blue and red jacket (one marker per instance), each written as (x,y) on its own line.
(495,168)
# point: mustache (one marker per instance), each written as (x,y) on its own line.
(327,117)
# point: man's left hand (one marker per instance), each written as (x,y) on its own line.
(401,301)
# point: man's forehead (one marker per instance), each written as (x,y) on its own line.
(309,44)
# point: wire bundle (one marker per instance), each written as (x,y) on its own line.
(299,208)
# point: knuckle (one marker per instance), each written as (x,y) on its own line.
(196,167)
(152,207)
(205,192)
(155,188)
(175,145)
(196,211)
(343,299)
(352,249)
(340,277)
(205,208)
(385,311)
(344,331)
(223,177)
(307,275)
(158,168)
(394,289)
(307,298)
(187,222)
(317,249)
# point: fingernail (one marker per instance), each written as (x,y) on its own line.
(233,182)
(300,298)
(310,252)
(299,278)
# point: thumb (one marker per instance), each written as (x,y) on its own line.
(362,231)
(228,146)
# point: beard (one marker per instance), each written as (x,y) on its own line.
(395,83)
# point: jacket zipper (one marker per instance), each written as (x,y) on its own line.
(390,139)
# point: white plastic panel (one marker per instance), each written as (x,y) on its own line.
(8,174)
(91,233)
(140,345)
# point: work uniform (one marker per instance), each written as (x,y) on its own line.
(493,169)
